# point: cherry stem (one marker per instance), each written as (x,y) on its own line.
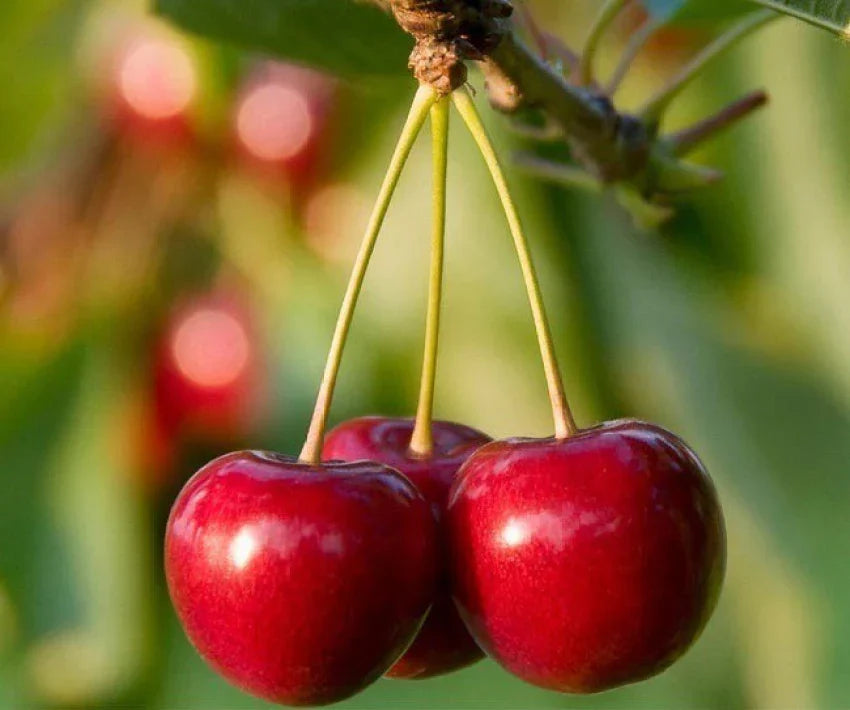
(565,424)
(656,106)
(603,21)
(422,439)
(633,48)
(422,102)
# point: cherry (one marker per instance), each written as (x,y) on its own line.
(588,562)
(443,644)
(301,583)
(207,369)
(153,87)
(281,119)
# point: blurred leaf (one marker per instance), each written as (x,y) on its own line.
(35,69)
(352,39)
(775,435)
(36,400)
(833,15)
(77,572)
(102,538)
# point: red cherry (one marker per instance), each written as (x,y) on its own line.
(281,119)
(300,583)
(154,83)
(207,369)
(586,563)
(443,644)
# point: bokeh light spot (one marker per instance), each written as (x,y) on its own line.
(157,78)
(211,348)
(275,122)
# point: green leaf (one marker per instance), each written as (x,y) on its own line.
(833,15)
(351,39)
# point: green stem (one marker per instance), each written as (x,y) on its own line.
(422,440)
(564,422)
(603,21)
(656,106)
(422,102)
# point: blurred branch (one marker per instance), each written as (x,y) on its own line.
(656,105)
(552,171)
(609,12)
(610,145)
(613,147)
(687,139)
(548,132)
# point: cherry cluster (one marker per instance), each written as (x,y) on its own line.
(411,548)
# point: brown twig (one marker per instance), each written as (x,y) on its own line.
(612,146)
(684,141)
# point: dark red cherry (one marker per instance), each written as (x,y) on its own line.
(300,583)
(443,644)
(586,563)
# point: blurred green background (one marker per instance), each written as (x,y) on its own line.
(133,233)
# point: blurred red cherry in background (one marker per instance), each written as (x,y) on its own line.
(208,372)
(281,120)
(152,85)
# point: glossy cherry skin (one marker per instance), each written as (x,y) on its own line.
(300,583)
(586,563)
(443,645)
